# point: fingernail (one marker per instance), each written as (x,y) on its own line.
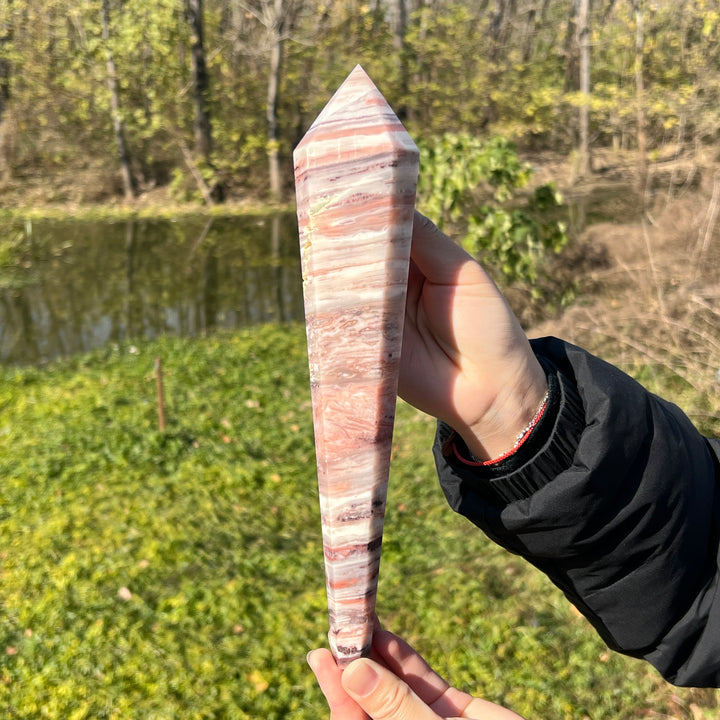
(361,678)
(308,658)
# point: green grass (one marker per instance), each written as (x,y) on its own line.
(179,575)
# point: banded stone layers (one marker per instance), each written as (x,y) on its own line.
(355,178)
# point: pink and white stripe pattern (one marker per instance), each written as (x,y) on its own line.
(355,176)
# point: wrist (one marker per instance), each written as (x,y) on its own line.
(521,437)
(511,419)
(547,452)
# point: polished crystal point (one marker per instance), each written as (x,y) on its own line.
(355,178)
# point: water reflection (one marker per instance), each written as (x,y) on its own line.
(68,287)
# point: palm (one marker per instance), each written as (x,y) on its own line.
(449,345)
(463,349)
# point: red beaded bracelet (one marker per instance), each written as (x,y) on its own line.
(522,436)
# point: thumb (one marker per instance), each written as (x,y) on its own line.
(443,262)
(437,256)
(381,694)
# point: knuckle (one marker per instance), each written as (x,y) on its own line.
(394,702)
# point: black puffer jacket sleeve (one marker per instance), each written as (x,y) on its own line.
(616,497)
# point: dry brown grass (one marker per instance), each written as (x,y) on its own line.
(649,299)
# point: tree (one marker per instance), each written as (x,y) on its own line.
(399,26)
(5,37)
(194,11)
(275,20)
(201,80)
(640,94)
(584,41)
(278,19)
(500,27)
(117,121)
(535,19)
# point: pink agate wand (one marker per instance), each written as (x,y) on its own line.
(355,178)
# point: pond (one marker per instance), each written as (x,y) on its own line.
(71,286)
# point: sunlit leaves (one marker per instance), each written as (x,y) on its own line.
(470,181)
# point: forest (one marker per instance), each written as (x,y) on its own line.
(207,98)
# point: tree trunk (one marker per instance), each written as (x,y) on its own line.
(276,39)
(237,22)
(640,95)
(500,27)
(399,28)
(202,125)
(201,80)
(529,37)
(5,36)
(570,48)
(534,19)
(118,129)
(584,38)
(399,23)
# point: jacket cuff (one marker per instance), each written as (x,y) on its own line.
(545,454)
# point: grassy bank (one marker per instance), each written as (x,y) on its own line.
(179,574)
(157,206)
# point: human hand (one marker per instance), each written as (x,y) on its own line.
(397,685)
(465,358)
